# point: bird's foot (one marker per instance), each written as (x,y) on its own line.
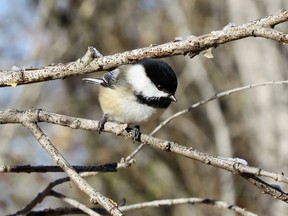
(102,122)
(136,133)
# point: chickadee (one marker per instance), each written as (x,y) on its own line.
(136,92)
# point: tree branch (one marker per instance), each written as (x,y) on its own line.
(153,204)
(110,167)
(217,96)
(35,115)
(92,61)
(74,203)
(46,192)
(193,201)
(75,177)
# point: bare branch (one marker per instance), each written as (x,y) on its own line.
(157,203)
(234,167)
(273,190)
(202,102)
(171,202)
(16,116)
(75,177)
(111,167)
(92,61)
(46,192)
(217,96)
(74,203)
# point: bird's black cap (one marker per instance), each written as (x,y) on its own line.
(161,74)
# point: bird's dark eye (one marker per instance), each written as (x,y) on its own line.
(159,87)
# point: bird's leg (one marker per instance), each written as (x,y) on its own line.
(102,122)
(136,133)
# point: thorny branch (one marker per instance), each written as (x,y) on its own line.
(92,61)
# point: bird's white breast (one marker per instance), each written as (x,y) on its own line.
(124,108)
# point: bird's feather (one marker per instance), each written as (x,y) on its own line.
(108,79)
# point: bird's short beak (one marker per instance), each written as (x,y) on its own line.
(173,98)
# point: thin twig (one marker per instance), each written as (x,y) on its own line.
(156,203)
(110,167)
(192,201)
(74,203)
(41,196)
(202,102)
(214,97)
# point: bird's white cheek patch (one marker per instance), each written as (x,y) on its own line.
(136,76)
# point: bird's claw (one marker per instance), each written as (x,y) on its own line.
(136,133)
(102,122)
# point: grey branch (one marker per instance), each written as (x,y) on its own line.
(74,203)
(156,203)
(111,167)
(95,196)
(248,172)
(46,192)
(93,61)
(217,96)
(171,202)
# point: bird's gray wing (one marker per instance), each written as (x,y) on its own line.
(108,80)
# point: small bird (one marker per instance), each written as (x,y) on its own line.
(136,93)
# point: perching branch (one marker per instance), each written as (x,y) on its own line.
(202,102)
(92,61)
(113,167)
(234,166)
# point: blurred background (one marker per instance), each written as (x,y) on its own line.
(252,125)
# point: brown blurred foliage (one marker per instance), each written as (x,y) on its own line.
(251,125)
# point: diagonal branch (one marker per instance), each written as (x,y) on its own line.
(217,96)
(75,177)
(93,62)
(44,193)
(74,203)
(202,102)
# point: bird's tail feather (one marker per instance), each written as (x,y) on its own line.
(93,81)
